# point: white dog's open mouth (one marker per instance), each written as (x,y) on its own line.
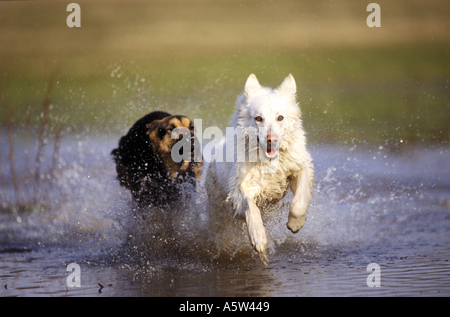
(271,152)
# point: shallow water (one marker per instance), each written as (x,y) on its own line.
(370,205)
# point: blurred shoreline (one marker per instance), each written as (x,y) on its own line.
(356,84)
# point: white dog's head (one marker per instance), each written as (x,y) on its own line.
(269,113)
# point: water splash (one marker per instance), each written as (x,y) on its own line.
(358,200)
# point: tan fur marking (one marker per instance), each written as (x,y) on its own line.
(184,166)
(175,121)
(198,168)
(186,122)
(163,146)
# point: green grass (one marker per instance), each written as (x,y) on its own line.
(355,84)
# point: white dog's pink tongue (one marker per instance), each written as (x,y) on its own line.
(271,152)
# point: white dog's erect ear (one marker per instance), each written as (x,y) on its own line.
(288,85)
(252,85)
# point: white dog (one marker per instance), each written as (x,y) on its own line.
(270,118)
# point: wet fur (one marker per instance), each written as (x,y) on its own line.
(143,159)
(248,186)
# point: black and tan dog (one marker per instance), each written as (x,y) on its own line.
(144,163)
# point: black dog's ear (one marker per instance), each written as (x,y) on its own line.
(161,132)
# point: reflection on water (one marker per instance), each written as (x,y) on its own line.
(369,206)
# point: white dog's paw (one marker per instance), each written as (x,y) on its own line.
(295,223)
(257,235)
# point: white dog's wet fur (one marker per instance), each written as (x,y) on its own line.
(247,187)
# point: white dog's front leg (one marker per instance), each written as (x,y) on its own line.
(255,227)
(244,206)
(301,186)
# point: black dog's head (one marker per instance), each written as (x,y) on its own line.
(164,134)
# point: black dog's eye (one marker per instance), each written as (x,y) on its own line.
(161,132)
(280,118)
(259,118)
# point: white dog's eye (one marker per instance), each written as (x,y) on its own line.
(259,118)
(280,118)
